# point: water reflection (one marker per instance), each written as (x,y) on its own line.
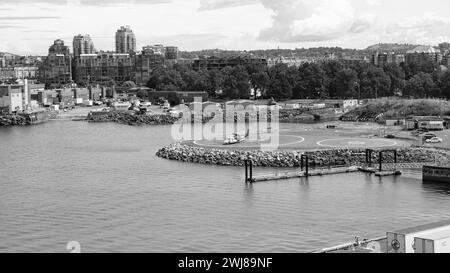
(437,187)
(102,185)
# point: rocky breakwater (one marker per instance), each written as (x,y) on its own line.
(190,153)
(131,118)
(13,120)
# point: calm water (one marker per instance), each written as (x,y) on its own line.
(103,186)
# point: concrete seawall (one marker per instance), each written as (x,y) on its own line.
(188,153)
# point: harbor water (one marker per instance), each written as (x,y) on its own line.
(102,186)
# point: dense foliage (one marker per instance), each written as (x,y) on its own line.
(331,79)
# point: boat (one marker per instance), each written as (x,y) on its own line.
(436,174)
(235,139)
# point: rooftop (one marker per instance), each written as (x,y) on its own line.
(425,118)
(424,49)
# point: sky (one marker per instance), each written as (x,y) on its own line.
(28,27)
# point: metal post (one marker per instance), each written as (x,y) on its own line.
(251,171)
(307,166)
(246,171)
(395,156)
(381,161)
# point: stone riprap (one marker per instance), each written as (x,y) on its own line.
(189,153)
(13,120)
(131,118)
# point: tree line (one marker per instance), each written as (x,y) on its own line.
(331,79)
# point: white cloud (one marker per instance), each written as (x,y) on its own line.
(312,20)
(219,4)
(426,29)
(229,24)
(374,2)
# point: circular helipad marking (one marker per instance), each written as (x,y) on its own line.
(356,143)
(302,139)
(256,144)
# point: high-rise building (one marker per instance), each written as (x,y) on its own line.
(103,67)
(82,44)
(58,47)
(57,67)
(125,40)
(171,53)
(150,58)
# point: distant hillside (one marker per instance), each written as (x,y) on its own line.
(6,54)
(317,52)
(398,48)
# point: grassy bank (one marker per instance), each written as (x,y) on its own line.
(385,108)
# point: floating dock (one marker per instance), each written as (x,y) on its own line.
(436,174)
(382,169)
(272,177)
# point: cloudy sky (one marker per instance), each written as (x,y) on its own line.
(30,26)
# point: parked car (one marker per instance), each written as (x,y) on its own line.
(146,104)
(428,136)
(390,136)
(434,140)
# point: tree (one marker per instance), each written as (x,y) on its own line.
(419,86)
(397,76)
(196,80)
(282,81)
(165,79)
(311,80)
(216,79)
(343,85)
(413,69)
(236,82)
(444,84)
(331,70)
(260,81)
(375,83)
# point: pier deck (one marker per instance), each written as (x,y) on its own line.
(389,169)
(271,177)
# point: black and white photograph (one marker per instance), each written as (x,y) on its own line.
(251,128)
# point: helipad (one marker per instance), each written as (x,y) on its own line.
(284,140)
